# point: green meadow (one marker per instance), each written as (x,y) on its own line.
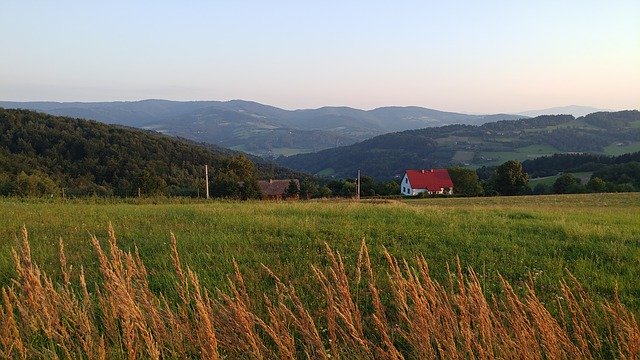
(595,237)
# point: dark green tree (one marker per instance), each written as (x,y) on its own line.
(566,184)
(597,185)
(390,188)
(510,179)
(308,189)
(324,192)
(250,190)
(292,190)
(367,186)
(465,181)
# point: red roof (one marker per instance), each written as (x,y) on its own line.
(432,180)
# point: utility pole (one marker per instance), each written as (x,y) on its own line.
(358,195)
(206,179)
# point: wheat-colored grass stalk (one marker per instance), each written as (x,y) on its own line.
(410,315)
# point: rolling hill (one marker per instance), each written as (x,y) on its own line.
(256,128)
(41,154)
(575,110)
(388,155)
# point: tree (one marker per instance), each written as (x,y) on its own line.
(324,192)
(566,184)
(390,188)
(596,184)
(308,189)
(465,181)
(292,190)
(510,179)
(349,189)
(250,190)
(152,184)
(367,186)
(6,185)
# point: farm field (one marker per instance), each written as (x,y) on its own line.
(519,303)
(596,237)
(618,149)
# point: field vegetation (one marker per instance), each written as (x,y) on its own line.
(530,253)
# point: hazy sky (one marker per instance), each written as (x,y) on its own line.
(467,56)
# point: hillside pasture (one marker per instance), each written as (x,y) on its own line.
(620,148)
(522,153)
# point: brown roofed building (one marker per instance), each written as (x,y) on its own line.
(277,189)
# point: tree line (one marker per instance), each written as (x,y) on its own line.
(44,155)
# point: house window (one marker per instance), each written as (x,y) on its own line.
(406,180)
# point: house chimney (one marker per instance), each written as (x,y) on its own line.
(270,181)
(431,170)
(422,171)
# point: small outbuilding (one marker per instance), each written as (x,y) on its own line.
(432,181)
(279,189)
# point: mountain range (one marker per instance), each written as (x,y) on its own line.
(388,155)
(575,110)
(256,128)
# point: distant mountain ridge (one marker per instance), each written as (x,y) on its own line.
(575,110)
(257,128)
(388,155)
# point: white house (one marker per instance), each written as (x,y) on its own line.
(433,181)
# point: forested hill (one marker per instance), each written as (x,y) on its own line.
(575,162)
(388,155)
(256,128)
(42,154)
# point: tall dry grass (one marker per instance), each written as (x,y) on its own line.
(413,316)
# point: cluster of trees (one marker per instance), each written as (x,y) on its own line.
(40,155)
(613,178)
(507,179)
(577,162)
(510,178)
(322,188)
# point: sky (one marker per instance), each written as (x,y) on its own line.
(464,56)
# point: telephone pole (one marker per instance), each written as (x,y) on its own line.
(206,179)
(358,195)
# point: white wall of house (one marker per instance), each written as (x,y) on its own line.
(407,189)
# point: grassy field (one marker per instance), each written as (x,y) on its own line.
(596,237)
(615,149)
(523,153)
(549,180)
(311,305)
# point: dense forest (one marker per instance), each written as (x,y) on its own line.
(45,155)
(607,174)
(490,144)
(556,163)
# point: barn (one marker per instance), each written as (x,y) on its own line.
(432,181)
(277,189)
